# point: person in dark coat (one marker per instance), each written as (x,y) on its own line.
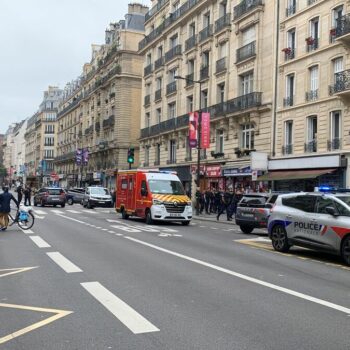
(5,208)
(19,193)
(207,199)
(217,201)
(27,195)
(225,204)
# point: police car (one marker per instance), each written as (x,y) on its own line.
(317,220)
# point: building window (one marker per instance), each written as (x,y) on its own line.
(172,151)
(221,93)
(337,67)
(219,141)
(291,44)
(206,20)
(247,141)
(192,30)
(173,41)
(159,115)
(288,137)
(190,103)
(289,99)
(176,6)
(159,83)
(313,93)
(335,131)
(172,75)
(246,83)
(188,149)
(223,50)
(146,156)
(148,59)
(190,67)
(313,39)
(204,99)
(171,110)
(337,13)
(160,51)
(248,35)
(311,144)
(147,120)
(222,9)
(157,154)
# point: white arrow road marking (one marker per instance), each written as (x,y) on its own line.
(39,242)
(63,262)
(122,311)
(247,278)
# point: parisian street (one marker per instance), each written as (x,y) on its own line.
(87,279)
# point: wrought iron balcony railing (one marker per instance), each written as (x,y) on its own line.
(205,33)
(288,101)
(148,70)
(310,146)
(223,22)
(311,2)
(343,26)
(157,7)
(287,149)
(290,10)
(175,51)
(334,144)
(244,7)
(191,42)
(311,44)
(342,82)
(158,95)
(204,73)
(311,95)
(289,53)
(221,65)
(159,62)
(171,87)
(245,52)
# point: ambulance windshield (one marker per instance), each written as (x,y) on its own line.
(166,187)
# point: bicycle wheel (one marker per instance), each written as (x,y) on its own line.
(28,223)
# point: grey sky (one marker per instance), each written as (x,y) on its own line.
(46,42)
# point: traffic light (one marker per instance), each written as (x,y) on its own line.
(131,155)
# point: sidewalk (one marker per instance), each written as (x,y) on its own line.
(212,218)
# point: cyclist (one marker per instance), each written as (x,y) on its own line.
(5,209)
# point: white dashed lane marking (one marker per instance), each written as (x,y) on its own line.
(40,212)
(39,242)
(63,262)
(73,211)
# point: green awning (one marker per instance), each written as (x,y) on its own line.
(294,174)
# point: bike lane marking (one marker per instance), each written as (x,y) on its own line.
(246,277)
(121,310)
(40,242)
(7,272)
(63,262)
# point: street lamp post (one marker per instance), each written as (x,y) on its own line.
(199,131)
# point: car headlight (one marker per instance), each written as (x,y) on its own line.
(157,202)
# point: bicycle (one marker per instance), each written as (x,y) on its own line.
(23,218)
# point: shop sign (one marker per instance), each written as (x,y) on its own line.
(237,171)
(208,170)
(97,176)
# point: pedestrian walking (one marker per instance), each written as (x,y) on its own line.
(19,193)
(224,205)
(207,199)
(27,196)
(217,201)
(5,200)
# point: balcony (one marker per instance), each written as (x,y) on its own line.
(311,2)
(109,122)
(334,144)
(112,95)
(173,52)
(147,100)
(171,161)
(221,65)
(204,73)
(311,44)
(311,95)
(287,149)
(341,86)
(158,95)
(244,7)
(167,125)
(154,130)
(310,146)
(144,133)
(288,101)
(205,33)
(97,126)
(223,22)
(289,53)
(245,52)
(159,63)
(89,130)
(156,162)
(342,30)
(171,88)
(148,70)
(191,42)
(290,10)
(157,7)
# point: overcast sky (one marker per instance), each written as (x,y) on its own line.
(46,42)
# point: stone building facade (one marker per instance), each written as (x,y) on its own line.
(100,111)
(229,48)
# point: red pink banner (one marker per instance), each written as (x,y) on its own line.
(205,134)
(193,129)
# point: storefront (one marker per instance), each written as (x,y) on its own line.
(210,177)
(243,179)
(306,173)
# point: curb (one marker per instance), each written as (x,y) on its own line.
(200,218)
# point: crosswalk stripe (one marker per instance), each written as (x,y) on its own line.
(57,211)
(90,211)
(40,212)
(73,211)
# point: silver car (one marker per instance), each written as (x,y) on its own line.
(312,220)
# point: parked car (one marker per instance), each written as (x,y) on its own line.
(50,196)
(253,210)
(95,196)
(75,195)
(312,220)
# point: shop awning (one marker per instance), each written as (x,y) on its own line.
(294,174)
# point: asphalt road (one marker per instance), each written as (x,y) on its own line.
(86,279)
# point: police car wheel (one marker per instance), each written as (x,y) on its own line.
(246,229)
(279,239)
(345,250)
